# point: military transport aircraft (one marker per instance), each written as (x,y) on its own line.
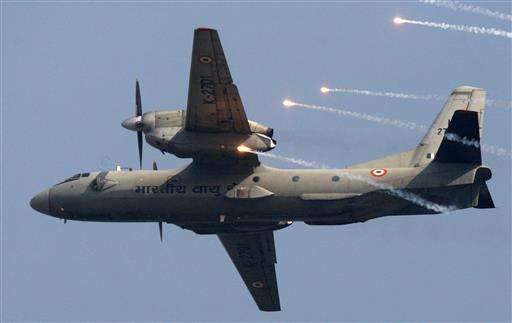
(226,191)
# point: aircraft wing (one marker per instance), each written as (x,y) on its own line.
(214,104)
(254,257)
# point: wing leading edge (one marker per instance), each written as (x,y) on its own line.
(214,104)
(254,257)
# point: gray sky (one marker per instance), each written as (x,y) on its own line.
(68,81)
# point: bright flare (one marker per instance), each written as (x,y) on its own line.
(324,89)
(288,103)
(428,97)
(464,28)
(243,149)
(398,21)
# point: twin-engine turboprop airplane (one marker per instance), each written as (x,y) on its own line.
(227,191)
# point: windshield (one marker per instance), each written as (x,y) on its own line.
(73,178)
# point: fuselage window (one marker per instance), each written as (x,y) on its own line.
(295,178)
(335,178)
(85,174)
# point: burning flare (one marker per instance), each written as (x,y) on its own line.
(324,89)
(398,21)
(243,149)
(463,28)
(411,96)
(288,103)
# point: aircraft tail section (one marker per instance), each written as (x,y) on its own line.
(454,136)
(466,104)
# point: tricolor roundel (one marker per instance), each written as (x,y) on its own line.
(205,59)
(378,172)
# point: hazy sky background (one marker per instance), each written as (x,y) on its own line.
(68,81)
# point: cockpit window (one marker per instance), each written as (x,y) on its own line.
(102,182)
(72,178)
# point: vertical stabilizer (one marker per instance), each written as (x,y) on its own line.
(465,98)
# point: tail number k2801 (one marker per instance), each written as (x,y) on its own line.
(207,90)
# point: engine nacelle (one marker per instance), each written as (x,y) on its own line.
(165,131)
(261,129)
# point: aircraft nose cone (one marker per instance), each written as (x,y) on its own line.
(133,123)
(41,202)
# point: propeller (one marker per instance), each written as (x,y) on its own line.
(138,113)
(135,123)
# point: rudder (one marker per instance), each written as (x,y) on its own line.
(461,141)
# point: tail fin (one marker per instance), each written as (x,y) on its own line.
(454,137)
(466,104)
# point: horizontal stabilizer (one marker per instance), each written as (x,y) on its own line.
(461,141)
(484,198)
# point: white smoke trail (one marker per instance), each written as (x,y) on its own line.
(495,150)
(413,198)
(457,5)
(499,103)
(358,115)
(384,93)
(305,163)
(464,28)
(410,96)
(456,138)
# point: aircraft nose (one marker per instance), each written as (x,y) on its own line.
(133,123)
(41,202)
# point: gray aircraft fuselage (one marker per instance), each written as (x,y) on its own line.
(194,198)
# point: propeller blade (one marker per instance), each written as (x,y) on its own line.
(139,142)
(160,230)
(138,113)
(154,165)
(138,103)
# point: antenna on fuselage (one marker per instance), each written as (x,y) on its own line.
(155,167)
(160,230)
